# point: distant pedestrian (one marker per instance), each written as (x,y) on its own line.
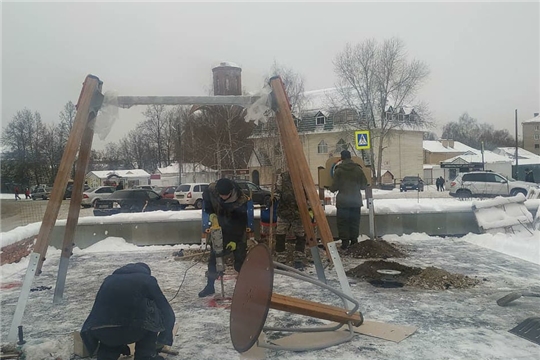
(441,183)
(27,193)
(17,197)
(438,184)
(120,186)
(529,176)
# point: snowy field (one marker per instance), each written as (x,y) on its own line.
(452,324)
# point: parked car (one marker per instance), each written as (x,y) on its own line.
(90,196)
(133,200)
(41,193)
(411,183)
(147,187)
(190,194)
(168,192)
(487,184)
(69,190)
(259,195)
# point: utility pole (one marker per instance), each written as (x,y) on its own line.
(483,162)
(517,172)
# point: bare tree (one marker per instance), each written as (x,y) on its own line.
(24,136)
(374,77)
(154,127)
(269,147)
(471,132)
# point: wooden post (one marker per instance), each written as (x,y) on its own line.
(303,183)
(91,86)
(74,207)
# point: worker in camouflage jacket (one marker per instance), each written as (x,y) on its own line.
(348,180)
(288,218)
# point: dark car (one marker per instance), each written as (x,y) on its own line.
(133,200)
(69,190)
(259,195)
(411,183)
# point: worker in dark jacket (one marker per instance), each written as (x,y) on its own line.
(226,200)
(348,180)
(129,308)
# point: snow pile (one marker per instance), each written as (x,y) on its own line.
(20,233)
(503,212)
(522,246)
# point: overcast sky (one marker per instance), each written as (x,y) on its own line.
(484,57)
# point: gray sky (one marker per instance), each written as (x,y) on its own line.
(484,57)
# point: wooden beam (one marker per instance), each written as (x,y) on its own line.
(74,207)
(313,309)
(304,186)
(91,85)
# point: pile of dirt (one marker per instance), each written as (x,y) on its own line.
(15,252)
(374,249)
(438,279)
(430,278)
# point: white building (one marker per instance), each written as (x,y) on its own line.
(129,178)
(473,160)
(191,172)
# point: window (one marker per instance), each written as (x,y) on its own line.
(204,187)
(536,137)
(252,187)
(322,148)
(537,127)
(226,84)
(341,145)
(400,117)
(320,120)
(480,177)
(152,195)
(537,146)
(196,188)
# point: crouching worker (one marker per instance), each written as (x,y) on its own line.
(225,201)
(129,308)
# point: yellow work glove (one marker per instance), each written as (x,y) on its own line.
(214,223)
(231,246)
(311,215)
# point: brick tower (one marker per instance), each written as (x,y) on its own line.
(227,79)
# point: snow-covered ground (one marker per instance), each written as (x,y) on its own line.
(452,324)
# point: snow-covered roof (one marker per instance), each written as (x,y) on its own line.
(524,157)
(319,99)
(133,173)
(226,63)
(329,97)
(534,119)
(476,157)
(186,168)
(436,146)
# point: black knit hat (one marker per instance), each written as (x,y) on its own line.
(345,154)
(224,186)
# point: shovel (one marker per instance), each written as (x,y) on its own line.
(507,299)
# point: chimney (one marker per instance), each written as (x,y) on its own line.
(451,143)
(444,142)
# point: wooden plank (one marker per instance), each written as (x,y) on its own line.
(91,84)
(391,332)
(380,330)
(297,163)
(313,309)
(304,340)
(74,207)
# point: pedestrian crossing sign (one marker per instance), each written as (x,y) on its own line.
(362,139)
